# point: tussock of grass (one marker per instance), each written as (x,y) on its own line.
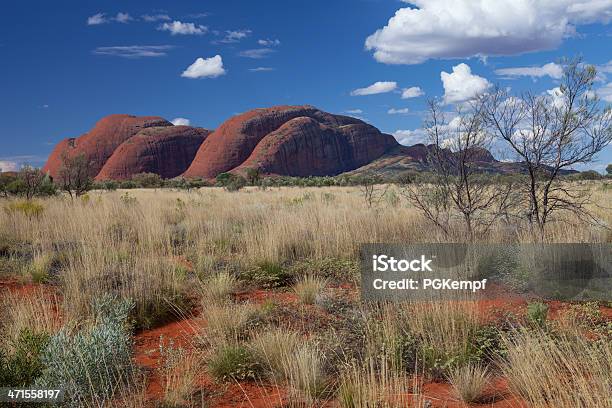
(469,381)
(566,371)
(218,288)
(305,375)
(228,323)
(178,370)
(366,386)
(274,348)
(308,288)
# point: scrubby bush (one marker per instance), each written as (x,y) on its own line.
(29,208)
(148,180)
(91,363)
(22,366)
(267,274)
(231,182)
(537,313)
(233,363)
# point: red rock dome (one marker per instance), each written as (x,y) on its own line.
(290,140)
(100,142)
(166,151)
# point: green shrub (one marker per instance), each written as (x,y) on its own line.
(148,180)
(267,274)
(537,313)
(23,366)
(233,362)
(91,363)
(29,208)
(231,182)
(39,270)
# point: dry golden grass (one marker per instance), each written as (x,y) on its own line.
(368,385)
(308,287)
(273,348)
(566,371)
(179,370)
(469,381)
(37,312)
(140,245)
(227,323)
(218,288)
(127,242)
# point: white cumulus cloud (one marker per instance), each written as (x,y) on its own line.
(465,28)
(7,165)
(605,92)
(99,18)
(376,88)
(123,18)
(402,111)
(180,122)
(410,137)
(412,92)
(268,42)
(461,85)
(179,28)
(551,69)
(205,68)
(233,36)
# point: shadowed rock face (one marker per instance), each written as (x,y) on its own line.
(100,142)
(289,140)
(305,147)
(166,151)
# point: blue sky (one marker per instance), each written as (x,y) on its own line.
(65,64)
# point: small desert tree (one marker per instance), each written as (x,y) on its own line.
(552,133)
(31,182)
(609,170)
(457,185)
(73,176)
(368,185)
(253,176)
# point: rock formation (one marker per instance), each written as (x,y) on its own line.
(100,142)
(289,140)
(165,150)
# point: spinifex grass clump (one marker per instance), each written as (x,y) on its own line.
(469,381)
(218,288)
(560,371)
(273,348)
(308,288)
(94,362)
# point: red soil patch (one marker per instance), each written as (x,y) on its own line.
(497,395)
(18,287)
(259,296)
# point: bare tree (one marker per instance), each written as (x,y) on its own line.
(31,179)
(73,176)
(552,133)
(459,186)
(372,194)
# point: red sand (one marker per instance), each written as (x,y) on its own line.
(184,334)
